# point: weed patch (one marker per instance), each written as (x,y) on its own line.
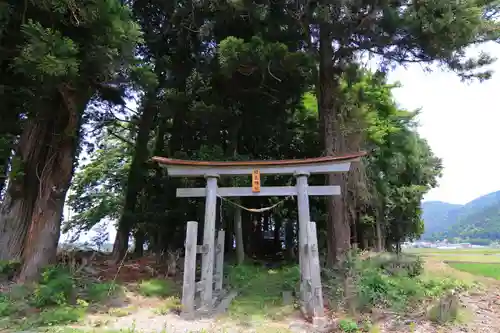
(261,291)
(171,304)
(58,298)
(157,288)
(8,268)
(390,282)
(97,292)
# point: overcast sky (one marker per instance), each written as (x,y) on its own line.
(461,122)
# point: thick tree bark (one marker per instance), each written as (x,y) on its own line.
(338,227)
(5,156)
(135,180)
(15,215)
(54,171)
(17,207)
(380,243)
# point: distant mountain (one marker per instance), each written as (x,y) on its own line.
(435,215)
(478,220)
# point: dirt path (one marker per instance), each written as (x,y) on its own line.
(484,309)
(146,321)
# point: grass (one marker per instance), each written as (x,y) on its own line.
(261,292)
(404,289)
(453,251)
(157,288)
(482,269)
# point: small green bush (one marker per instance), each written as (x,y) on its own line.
(392,263)
(6,307)
(385,281)
(348,326)
(56,287)
(8,268)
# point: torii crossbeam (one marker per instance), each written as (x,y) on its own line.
(311,290)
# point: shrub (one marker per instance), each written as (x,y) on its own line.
(348,326)
(56,287)
(392,263)
(385,281)
(6,307)
(8,268)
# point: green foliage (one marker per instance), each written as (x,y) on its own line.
(376,283)
(400,168)
(47,53)
(348,326)
(229,81)
(97,191)
(9,267)
(57,299)
(6,307)
(398,264)
(56,287)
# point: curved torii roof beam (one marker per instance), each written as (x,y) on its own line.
(318,165)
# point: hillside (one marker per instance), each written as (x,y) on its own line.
(435,216)
(477,221)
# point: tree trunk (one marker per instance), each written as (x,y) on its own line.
(139,240)
(135,180)
(338,228)
(289,239)
(5,156)
(247,226)
(238,228)
(15,215)
(17,206)
(54,170)
(277,233)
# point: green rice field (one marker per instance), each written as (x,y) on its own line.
(486,255)
(480,262)
(488,270)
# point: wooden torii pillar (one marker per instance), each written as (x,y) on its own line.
(310,286)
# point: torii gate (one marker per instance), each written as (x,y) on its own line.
(310,286)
